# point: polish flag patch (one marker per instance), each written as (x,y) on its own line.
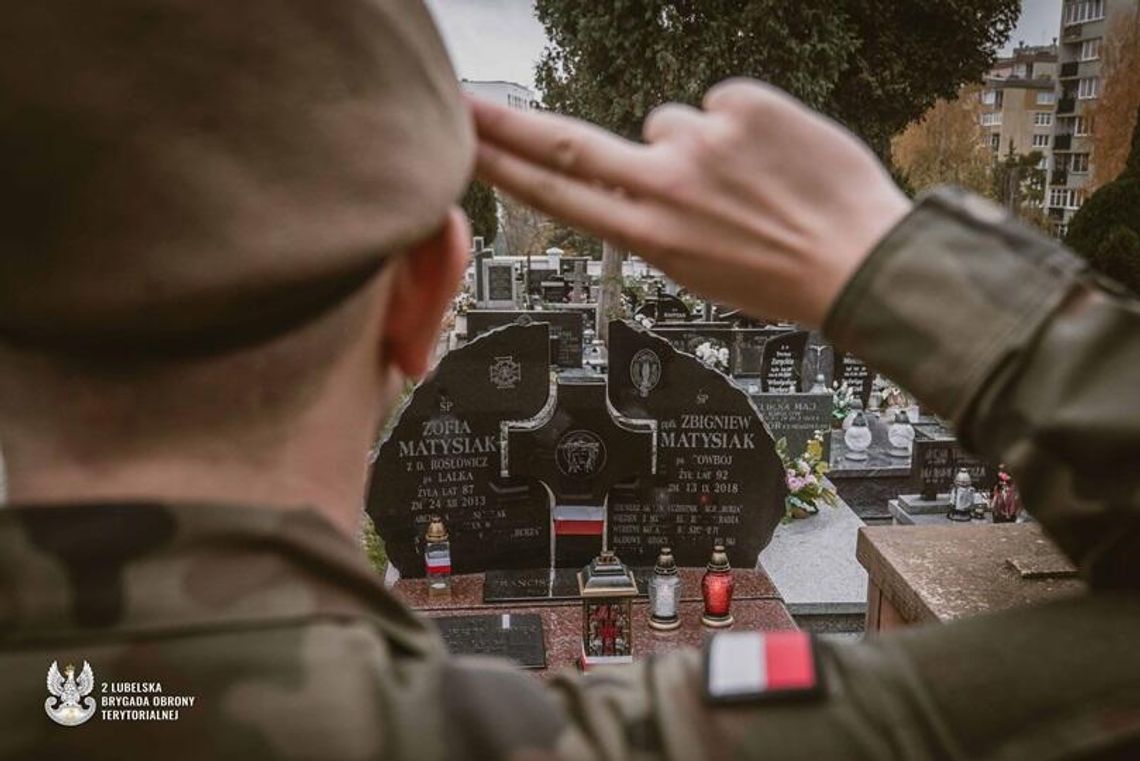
(579,520)
(743,666)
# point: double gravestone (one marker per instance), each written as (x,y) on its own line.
(535,470)
(566,330)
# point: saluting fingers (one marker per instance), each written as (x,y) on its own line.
(590,207)
(566,145)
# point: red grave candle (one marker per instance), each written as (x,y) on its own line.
(716,589)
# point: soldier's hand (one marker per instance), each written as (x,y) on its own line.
(754,201)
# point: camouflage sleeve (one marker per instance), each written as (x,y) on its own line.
(1056,681)
(1038,364)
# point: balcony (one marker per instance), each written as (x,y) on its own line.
(1066,105)
(1060,178)
(1062,142)
(1069,69)
(1056,212)
(1071,33)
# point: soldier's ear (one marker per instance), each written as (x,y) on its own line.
(423,286)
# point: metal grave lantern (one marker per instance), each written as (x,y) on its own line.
(437,558)
(607,588)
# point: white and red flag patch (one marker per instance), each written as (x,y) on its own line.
(741,666)
(579,520)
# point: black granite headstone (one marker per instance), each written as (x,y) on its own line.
(580,450)
(854,372)
(796,418)
(718,474)
(936,460)
(665,308)
(442,457)
(566,329)
(783,363)
(535,276)
(517,637)
(687,337)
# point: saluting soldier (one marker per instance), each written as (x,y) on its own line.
(230,233)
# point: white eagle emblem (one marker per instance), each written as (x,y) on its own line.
(69,704)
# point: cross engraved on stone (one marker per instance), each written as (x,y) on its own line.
(579,448)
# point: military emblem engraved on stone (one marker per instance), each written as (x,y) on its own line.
(580,453)
(505,373)
(69,703)
(645,371)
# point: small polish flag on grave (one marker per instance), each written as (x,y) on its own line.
(579,520)
(438,565)
(741,666)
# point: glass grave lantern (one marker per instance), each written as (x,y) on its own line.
(607,588)
(857,438)
(664,593)
(962,498)
(716,589)
(900,434)
(437,558)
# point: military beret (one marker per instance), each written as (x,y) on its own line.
(199,172)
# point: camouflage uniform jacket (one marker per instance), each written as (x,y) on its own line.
(292,649)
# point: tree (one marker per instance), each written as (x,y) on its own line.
(481,207)
(525,230)
(1019,185)
(946,146)
(875,64)
(1106,229)
(573,242)
(1113,114)
(910,53)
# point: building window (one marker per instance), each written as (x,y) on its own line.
(991,119)
(1079,163)
(1046,98)
(1042,118)
(1082,126)
(989,97)
(1041,141)
(1043,163)
(1084,10)
(1021,70)
(1064,198)
(1087,88)
(1090,49)
(995,141)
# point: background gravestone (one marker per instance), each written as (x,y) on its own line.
(499,279)
(565,326)
(796,418)
(854,372)
(442,457)
(936,460)
(665,307)
(783,361)
(718,475)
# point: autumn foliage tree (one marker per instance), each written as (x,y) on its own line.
(1113,115)
(946,146)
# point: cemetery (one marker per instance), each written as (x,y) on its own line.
(562,501)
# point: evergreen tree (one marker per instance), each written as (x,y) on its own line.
(481,207)
(1106,229)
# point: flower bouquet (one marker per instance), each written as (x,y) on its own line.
(807,487)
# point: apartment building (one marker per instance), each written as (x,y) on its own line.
(504,93)
(1018,102)
(1083,26)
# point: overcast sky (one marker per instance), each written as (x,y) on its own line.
(501,39)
